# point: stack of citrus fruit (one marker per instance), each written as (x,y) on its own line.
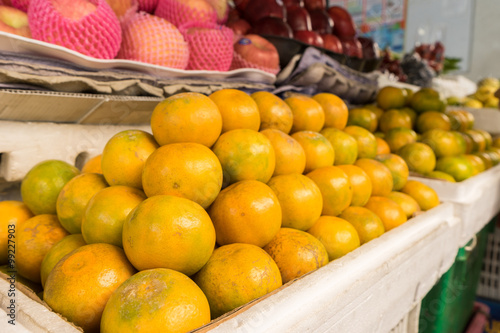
(175,228)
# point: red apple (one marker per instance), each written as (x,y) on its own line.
(298,19)
(289,3)
(322,23)
(239,27)
(315,4)
(370,48)
(343,25)
(257,9)
(14,21)
(332,43)
(241,4)
(258,51)
(352,47)
(309,37)
(272,26)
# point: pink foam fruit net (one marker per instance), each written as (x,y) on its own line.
(148,6)
(179,13)
(19,4)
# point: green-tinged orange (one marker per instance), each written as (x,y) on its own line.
(367,143)
(394,118)
(418,156)
(274,112)
(319,151)
(379,174)
(344,145)
(413,115)
(363,118)
(432,120)
(398,168)
(390,97)
(440,175)
(458,167)
(368,225)
(427,99)
(289,154)
(444,143)
(408,204)
(398,137)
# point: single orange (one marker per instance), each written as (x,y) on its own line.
(57,252)
(418,156)
(344,145)
(488,140)
(74,197)
(441,175)
(274,112)
(390,97)
(398,168)
(367,143)
(486,158)
(296,253)
(93,165)
(478,140)
(34,238)
(236,274)
(393,119)
(413,115)
(188,170)
(42,184)
(124,156)
(245,155)
(336,112)
(432,120)
(477,163)
(12,213)
(335,188)
(444,143)
(391,214)
(106,212)
(382,146)
(425,195)
(427,99)
(246,212)
(290,156)
(398,137)
(363,118)
(379,174)
(237,108)
(186,117)
(308,115)
(319,151)
(408,204)
(368,225)
(156,300)
(361,184)
(337,235)
(459,167)
(378,111)
(81,283)
(166,231)
(300,200)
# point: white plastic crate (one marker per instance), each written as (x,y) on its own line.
(489,280)
(477,199)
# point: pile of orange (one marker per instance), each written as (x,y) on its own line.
(207,213)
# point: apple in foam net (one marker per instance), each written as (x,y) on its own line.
(120,7)
(258,51)
(222,9)
(14,21)
(74,9)
(298,18)
(309,37)
(273,26)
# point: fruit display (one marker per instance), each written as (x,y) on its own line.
(483,97)
(232,196)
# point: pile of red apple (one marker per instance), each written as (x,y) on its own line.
(308,21)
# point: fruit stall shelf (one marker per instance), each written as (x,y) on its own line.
(376,288)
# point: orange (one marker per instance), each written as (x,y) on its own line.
(74,197)
(186,117)
(487,138)
(425,196)
(363,118)
(106,212)
(188,170)
(290,156)
(246,212)
(236,274)
(413,115)
(391,98)
(300,200)
(459,167)
(477,163)
(319,151)
(398,137)
(368,225)
(432,120)
(93,165)
(408,204)
(57,252)
(81,283)
(398,168)
(34,238)
(337,235)
(156,300)
(274,112)
(379,134)
(237,108)
(486,158)
(379,174)
(245,155)
(440,175)
(367,143)
(478,140)
(124,156)
(427,99)
(42,184)
(496,141)
(12,213)
(382,146)
(308,115)
(335,188)
(464,119)
(393,119)
(336,112)
(360,182)
(391,214)
(166,231)
(296,253)
(418,156)
(409,95)
(378,111)
(344,145)
(444,143)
